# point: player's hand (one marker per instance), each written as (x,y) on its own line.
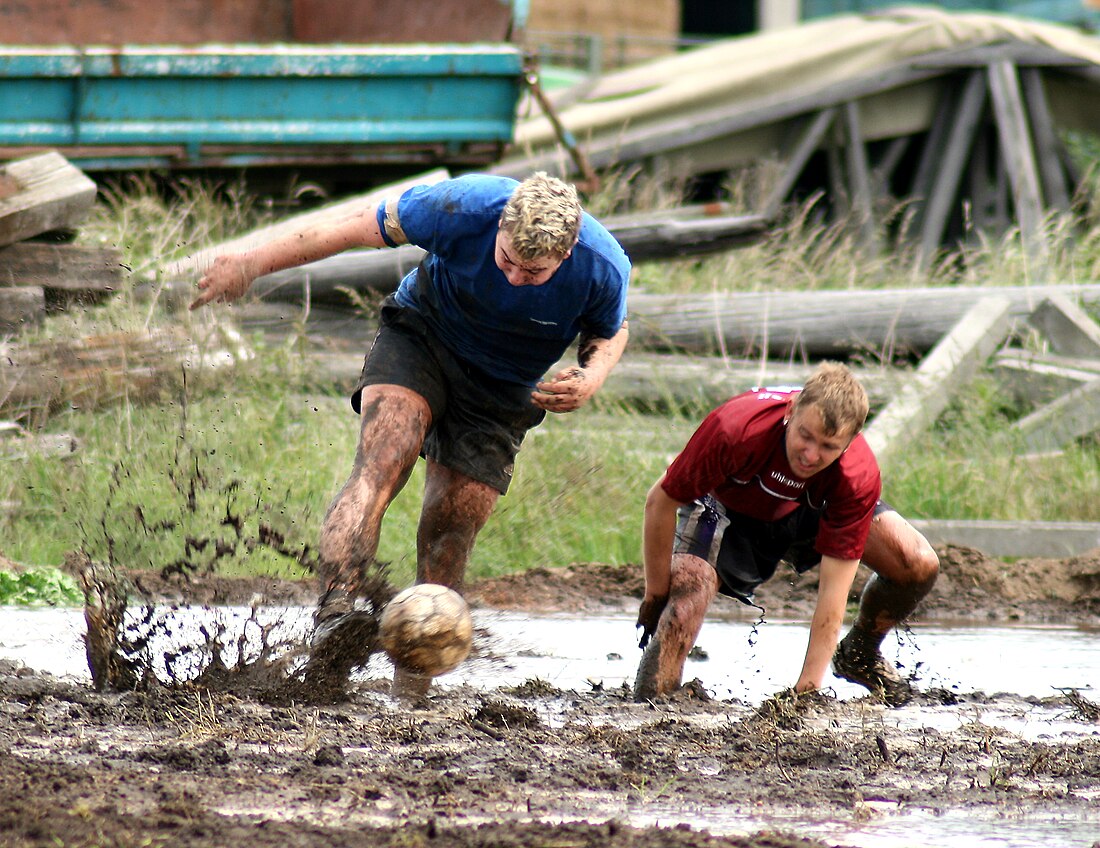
(648,615)
(225,281)
(565,391)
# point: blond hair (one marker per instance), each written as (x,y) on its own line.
(838,396)
(543,218)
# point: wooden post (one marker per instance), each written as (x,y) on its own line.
(809,140)
(945,184)
(859,176)
(1047,145)
(1019,157)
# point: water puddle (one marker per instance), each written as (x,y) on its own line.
(874,826)
(736,662)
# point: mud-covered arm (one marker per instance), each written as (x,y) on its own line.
(232,274)
(571,388)
(834,582)
(658,534)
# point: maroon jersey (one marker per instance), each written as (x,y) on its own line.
(739,456)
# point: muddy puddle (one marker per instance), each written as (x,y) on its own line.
(1001,750)
(733,660)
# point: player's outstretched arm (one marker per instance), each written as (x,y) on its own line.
(834,582)
(232,274)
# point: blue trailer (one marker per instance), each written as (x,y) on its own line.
(240,105)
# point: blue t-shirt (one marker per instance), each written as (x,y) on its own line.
(513,333)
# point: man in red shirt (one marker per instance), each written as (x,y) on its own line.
(776,474)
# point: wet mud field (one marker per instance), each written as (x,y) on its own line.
(240,762)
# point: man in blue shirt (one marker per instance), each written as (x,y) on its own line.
(515,273)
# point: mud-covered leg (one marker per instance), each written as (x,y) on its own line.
(394,423)
(455,509)
(905,567)
(693,586)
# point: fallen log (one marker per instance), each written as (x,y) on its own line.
(801,325)
(657,382)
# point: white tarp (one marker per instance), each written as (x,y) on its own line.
(751,72)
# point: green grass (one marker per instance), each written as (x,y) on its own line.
(231,458)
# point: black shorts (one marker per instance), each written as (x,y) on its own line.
(745,552)
(478,421)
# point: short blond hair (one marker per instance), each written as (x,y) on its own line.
(838,396)
(543,218)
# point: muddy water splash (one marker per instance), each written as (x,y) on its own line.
(250,660)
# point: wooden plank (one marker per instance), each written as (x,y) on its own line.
(942,374)
(42,193)
(1062,421)
(1018,155)
(20,307)
(1067,327)
(1055,187)
(808,141)
(1032,379)
(945,185)
(65,267)
(202,259)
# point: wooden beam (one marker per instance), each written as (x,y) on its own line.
(945,184)
(1019,157)
(808,141)
(1032,379)
(943,373)
(42,193)
(859,175)
(1055,188)
(1067,327)
(64,267)
(21,306)
(1062,421)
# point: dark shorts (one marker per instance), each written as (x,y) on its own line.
(746,551)
(478,422)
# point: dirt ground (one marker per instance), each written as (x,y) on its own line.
(238,763)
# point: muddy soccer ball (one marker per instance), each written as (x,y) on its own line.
(427,629)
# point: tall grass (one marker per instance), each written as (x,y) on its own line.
(228,460)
